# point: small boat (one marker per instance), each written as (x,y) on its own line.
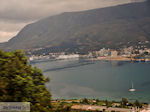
(132,88)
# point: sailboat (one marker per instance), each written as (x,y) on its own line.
(132,88)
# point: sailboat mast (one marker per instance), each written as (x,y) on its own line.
(132,85)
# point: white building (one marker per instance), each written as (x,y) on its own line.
(114,53)
(128,51)
(70,56)
(103,52)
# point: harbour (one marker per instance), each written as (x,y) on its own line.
(97,79)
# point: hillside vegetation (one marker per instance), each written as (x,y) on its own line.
(112,27)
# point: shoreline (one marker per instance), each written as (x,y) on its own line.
(95,104)
(120,59)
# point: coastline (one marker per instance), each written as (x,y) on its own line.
(101,105)
(119,58)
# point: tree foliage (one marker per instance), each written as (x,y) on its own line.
(124,102)
(20,82)
(85,101)
(137,104)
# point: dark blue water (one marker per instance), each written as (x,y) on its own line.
(99,79)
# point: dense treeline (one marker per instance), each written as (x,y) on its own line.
(20,82)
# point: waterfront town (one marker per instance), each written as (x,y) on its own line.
(138,53)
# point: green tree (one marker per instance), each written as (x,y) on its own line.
(146,53)
(20,82)
(138,104)
(124,102)
(85,101)
(107,103)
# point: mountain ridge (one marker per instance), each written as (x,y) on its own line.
(91,29)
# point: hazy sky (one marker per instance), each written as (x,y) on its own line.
(15,14)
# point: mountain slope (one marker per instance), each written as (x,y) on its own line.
(106,27)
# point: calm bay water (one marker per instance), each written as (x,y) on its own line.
(99,79)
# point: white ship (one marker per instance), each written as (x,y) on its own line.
(37,58)
(132,88)
(70,56)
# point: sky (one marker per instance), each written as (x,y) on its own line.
(15,14)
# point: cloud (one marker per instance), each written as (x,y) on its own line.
(5,36)
(9,30)
(10,26)
(18,12)
(27,10)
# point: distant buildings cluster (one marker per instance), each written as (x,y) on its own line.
(56,56)
(104,53)
(125,52)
